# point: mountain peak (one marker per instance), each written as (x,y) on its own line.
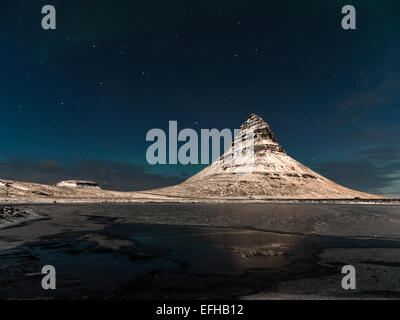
(254,118)
(263,134)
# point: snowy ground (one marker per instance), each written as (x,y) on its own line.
(203,250)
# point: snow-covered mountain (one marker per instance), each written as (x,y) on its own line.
(270,174)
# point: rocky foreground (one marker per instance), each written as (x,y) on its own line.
(11,215)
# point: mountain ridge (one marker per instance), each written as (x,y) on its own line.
(268,173)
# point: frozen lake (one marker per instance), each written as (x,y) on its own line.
(256,251)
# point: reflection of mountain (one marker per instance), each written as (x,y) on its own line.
(273,174)
(269,174)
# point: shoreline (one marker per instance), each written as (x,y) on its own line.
(10,202)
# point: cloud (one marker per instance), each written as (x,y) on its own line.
(380,153)
(381,97)
(109,174)
(363,176)
(383,94)
(373,170)
(387,134)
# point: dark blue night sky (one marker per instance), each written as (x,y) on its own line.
(77,102)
